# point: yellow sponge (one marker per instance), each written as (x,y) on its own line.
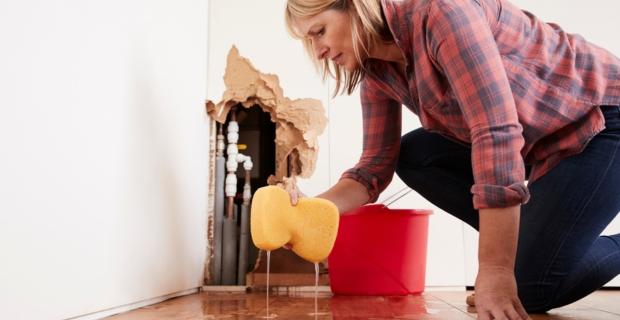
(310,226)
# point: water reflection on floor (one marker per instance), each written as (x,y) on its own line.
(301,305)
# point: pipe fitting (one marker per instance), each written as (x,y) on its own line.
(233,132)
(231,185)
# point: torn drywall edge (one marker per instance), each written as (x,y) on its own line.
(300,121)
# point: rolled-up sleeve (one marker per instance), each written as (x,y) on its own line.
(462,46)
(381,143)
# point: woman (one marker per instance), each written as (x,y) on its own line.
(502,97)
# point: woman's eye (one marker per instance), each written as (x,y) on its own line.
(321,32)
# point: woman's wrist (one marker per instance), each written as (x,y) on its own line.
(499,233)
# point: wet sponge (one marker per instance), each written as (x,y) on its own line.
(310,226)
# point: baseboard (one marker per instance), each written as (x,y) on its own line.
(224,288)
(132,306)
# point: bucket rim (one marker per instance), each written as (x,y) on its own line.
(376,208)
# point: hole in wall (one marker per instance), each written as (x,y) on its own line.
(257,134)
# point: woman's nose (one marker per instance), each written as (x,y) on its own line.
(320,51)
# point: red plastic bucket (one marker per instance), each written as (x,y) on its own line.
(380,251)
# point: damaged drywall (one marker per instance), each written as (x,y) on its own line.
(298,122)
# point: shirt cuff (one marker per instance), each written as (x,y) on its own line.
(490,196)
(366,179)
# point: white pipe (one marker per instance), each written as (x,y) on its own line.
(231,164)
(244,237)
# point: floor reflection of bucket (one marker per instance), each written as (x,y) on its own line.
(382,307)
(380,251)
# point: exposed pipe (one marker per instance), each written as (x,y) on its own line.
(230,269)
(220,174)
(231,164)
(230,237)
(229,246)
(244,237)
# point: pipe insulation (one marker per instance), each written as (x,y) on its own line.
(244,235)
(230,243)
(244,244)
(220,175)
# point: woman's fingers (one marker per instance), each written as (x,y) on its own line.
(501,314)
(521,311)
(503,310)
(295,195)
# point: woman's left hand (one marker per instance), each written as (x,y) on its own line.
(496,295)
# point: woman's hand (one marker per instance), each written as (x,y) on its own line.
(346,194)
(295,194)
(496,295)
(496,287)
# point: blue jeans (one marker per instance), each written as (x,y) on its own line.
(561,256)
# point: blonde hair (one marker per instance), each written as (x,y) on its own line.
(366,15)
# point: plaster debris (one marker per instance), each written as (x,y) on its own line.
(298,122)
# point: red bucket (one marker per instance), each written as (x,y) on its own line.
(380,251)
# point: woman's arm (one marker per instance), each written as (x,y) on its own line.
(499,231)
(463,45)
(346,194)
(364,182)
(496,287)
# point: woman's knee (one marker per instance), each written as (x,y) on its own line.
(412,146)
(536,298)
(420,148)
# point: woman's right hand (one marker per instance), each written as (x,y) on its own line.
(295,194)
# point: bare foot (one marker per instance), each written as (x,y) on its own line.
(470,300)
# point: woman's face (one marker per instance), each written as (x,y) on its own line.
(330,33)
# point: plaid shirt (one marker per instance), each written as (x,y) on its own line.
(484,73)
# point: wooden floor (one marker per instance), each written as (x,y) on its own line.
(451,305)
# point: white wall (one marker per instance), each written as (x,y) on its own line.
(103,139)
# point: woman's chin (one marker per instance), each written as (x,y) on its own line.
(351,67)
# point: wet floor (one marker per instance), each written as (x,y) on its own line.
(601,305)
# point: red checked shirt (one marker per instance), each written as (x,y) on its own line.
(484,73)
